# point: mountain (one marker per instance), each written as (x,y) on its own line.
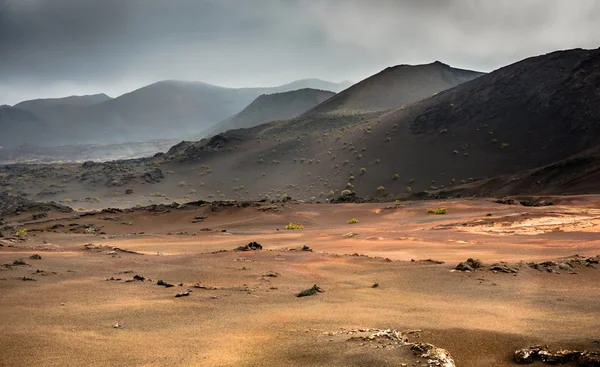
(394,87)
(20,127)
(530,120)
(313,83)
(271,107)
(163,110)
(38,105)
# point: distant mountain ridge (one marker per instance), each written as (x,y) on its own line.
(162,110)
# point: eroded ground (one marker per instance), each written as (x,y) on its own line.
(243,311)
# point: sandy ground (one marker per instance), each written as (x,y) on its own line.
(248,318)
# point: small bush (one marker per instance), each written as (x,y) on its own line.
(395,176)
(380,189)
(408,189)
(181,183)
(346,192)
(352,221)
(363,171)
(294,226)
(455,152)
(21,232)
(436,211)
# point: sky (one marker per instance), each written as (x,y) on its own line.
(55,48)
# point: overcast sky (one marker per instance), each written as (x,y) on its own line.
(51,48)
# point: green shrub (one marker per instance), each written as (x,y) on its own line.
(436,211)
(363,171)
(21,232)
(346,192)
(395,176)
(294,226)
(380,189)
(352,221)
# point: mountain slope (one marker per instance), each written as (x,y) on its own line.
(528,115)
(20,127)
(271,107)
(394,87)
(37,105)
(313,83)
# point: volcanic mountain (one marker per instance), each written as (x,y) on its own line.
(271,107)
(395,87)
(526,115)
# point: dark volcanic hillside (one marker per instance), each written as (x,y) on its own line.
(18,127)
(395,87)
(41,106)
(534,123)
(526,115)
(271,107)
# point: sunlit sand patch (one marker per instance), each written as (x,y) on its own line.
(575,221)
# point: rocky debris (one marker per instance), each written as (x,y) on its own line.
(469,265)
(438,262)
(507,201)
(109,250)
(198,219)
(436,356)
(551,267)
(118,326)
(583,358)
(310,291)
(128,191)
(11,204)
(350,234)
(153,176)
(200,286)
(39,216)
(275,208)
(19,262)
(35,257)
(27,279)
(503,267)
(252,246)
(139,278)
(164,284)
(375,285)
(347,198)
(183,294)
(271,274)
(306,248)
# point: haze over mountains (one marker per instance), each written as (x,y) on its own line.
(167,109)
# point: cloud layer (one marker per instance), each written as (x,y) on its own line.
(61,47)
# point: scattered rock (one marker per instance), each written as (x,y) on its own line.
(583,358)
(310,291)
(139,278)
(252,246)
(271,274)
(375,285)
(118,326)
(19,262)
(166,285)
(436,356)
(183,294)
(39,216)
(35,257)
(503,267)
(469,265)
(306,248)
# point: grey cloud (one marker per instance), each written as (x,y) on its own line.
(51,47)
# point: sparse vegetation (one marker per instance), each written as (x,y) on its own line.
(352,221)
(21,232)
(363,171)
(380,189)
(346,192)
(408,189)
(158,194)
(181,183)
(437,211)
(294,226)
(504,145)
(395,176)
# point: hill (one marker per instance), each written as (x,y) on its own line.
(166,109)
(20,127)
(271,107)
(527,115)
(528,128)
(395,87)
